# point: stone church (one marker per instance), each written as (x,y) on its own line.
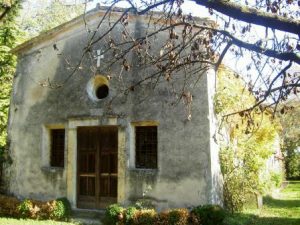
(87,141)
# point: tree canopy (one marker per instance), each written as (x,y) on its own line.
(9,34)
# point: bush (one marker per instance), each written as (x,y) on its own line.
(8,206)
(45,209)
(61,209)
(276,179)
(145,217)
(208,215)
(129,214)
(201,215)
(27,210)
(174,217)
(56,210)
(113,214)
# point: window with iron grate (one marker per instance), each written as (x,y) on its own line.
(146,147)
(57,147)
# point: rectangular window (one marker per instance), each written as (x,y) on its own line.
(146,147)
(57,147)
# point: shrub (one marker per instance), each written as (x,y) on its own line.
(61,209)
(163,218)
(8,206)
(145,217)
(209,214)
(178,217)
(26,209)
(113,214)
(57,210)
(276,179)
(46,208)
(129,214)
(174,217)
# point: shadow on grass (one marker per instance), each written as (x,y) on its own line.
(279,203)
(250,219)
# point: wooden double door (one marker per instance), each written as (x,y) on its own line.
(97,166)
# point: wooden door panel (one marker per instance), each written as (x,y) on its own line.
(97,166)
(87,186)
(105,163)
(87,176)
(109,164)
(87,162)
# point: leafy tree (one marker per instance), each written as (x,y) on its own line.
(14,30)
(290,135)
(34,20)
(247,143)
(9,35)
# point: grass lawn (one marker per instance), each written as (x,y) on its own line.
(284,209)
(10,221)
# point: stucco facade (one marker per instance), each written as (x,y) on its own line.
(187,171)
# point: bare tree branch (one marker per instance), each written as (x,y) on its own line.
(268,92)
(252,15)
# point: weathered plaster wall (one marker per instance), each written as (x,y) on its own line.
(187,171)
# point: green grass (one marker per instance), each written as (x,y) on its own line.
(11,221)
(284,209)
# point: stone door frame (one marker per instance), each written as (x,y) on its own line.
(73,124)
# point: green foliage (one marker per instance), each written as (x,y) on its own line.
(25,208)
(129,214)
(9,38)
(61,209)
(250,141)
(16,29)
(35,20)
(276,179)
(113,214)
(293,165)
(290,134)
(209,214)
(282,210)
(201,215)
(178,217)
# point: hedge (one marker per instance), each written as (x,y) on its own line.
(58,209)
(200,215)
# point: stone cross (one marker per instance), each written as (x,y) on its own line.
(99,57)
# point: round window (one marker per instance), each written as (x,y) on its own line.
(98,88)
(102,91)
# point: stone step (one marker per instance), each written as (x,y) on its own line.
(87,217)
